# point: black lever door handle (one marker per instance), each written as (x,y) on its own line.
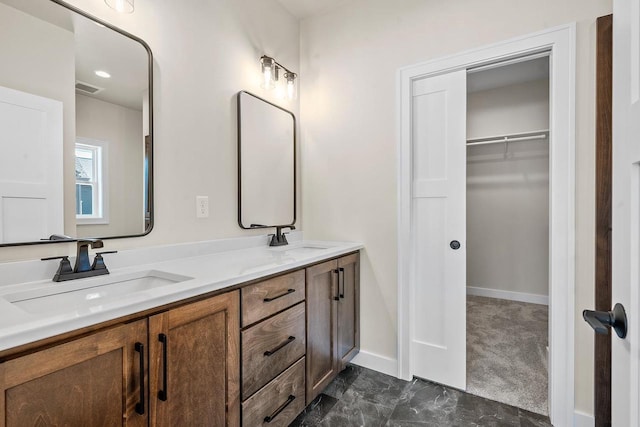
(601,321)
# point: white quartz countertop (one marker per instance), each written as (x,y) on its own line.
(198,275)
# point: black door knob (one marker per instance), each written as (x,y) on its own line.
(455,245)
(600,321)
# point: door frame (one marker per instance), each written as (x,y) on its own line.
(604,180)
(560,42)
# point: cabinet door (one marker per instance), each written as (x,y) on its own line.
(92,381)
(348,309)
(322,293)
(195,364)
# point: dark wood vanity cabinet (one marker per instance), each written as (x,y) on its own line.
(91,381)
(273,350)
(333,337)
(322,326)
(348,309)
(195,364)
(176,365)
(187,358)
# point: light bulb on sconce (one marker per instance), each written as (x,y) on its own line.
(271,78)
(292,84)
(269,72)
(122,6)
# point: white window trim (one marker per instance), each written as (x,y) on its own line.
(104,181)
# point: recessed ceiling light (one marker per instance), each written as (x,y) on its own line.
(103,74)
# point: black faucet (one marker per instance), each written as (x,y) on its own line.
(280,238)
(83,267)
(82,258)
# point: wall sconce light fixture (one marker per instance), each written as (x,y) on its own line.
(122,6)
(271,70)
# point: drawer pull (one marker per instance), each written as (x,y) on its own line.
(273,416)
(162,394)
(139,347)
(284,294)
(341,288)
(280,347)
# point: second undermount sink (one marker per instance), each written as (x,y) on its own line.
(86,293)
(301,249)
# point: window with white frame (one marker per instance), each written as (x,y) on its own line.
(90,182)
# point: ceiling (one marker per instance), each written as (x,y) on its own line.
(306,8)
(98,48)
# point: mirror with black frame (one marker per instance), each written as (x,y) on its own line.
(266,163)
(75,126)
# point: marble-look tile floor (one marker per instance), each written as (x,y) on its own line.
(362,397)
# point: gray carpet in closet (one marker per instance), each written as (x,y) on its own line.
(506,352)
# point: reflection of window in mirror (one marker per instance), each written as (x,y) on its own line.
(91,184)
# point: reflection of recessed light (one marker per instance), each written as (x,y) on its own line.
(99,24)
(103,74)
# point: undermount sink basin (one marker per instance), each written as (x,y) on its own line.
(84,293)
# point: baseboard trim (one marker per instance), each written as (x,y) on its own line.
(509,295)
(580,419)
(376,362)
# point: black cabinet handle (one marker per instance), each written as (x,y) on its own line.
(337,298)
(162,394)
(280,347)
(285,293)
(139,347)
(273,416)
(341,288)
(600,321)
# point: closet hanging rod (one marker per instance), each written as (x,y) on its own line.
(502,140)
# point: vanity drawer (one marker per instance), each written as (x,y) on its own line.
(271,296)
(270,347)
(281,400)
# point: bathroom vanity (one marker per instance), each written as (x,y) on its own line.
(221,333)
(236,337)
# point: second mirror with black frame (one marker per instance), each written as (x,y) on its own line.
(76,117)
(266,164)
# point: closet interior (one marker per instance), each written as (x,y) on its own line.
(508,232)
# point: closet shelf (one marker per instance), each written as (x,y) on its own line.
(513,137)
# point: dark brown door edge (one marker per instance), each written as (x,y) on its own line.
(602,369)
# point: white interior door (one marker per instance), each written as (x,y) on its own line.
(438,312)
(31,179)
(626,209)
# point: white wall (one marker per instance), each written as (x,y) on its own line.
(348,92)
(508,196)
(121,128)
(517,108)
(204,53)
(42,62)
